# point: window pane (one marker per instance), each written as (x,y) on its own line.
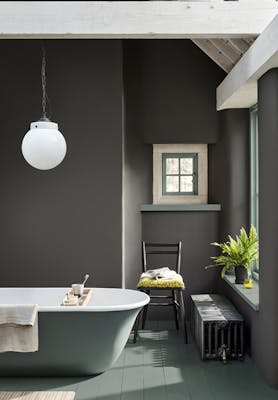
(186,165)
(172,183)
(172,166)
(186,183)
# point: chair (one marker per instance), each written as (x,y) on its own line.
(175,289)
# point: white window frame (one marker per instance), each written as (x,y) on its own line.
(202,151)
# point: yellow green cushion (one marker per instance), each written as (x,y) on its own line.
(176,282)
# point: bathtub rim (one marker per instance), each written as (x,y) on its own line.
(95,308)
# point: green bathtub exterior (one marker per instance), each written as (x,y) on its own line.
(73,344)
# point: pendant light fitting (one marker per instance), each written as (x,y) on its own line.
(43,146)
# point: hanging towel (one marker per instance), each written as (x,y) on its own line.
(18,327)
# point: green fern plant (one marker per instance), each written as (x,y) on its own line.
(241,251)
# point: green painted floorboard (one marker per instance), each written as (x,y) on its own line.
(160,367)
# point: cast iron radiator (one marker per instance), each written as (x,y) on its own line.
(217,327)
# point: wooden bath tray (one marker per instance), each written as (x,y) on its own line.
(82,301)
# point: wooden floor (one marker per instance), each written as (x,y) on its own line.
(160,367)
(39,395)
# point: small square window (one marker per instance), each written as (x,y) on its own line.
(180,173)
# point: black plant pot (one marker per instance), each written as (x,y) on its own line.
(241,274)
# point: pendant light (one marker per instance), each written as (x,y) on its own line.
(43,146)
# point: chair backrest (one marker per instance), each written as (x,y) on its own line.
(173,249)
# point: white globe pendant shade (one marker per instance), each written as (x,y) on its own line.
(43,146)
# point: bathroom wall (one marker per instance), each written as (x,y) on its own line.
(229,171)
(57,225)
(170,93)
(176,95)
(268,227)
(137,162)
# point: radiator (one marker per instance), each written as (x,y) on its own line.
(217,327)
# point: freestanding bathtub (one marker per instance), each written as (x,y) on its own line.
(73,341)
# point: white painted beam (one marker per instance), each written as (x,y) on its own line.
(239,88)
(135,19)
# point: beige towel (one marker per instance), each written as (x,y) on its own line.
(18,327)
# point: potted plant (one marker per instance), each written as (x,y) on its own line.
(239,253)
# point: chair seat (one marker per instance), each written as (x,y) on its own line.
(174,283)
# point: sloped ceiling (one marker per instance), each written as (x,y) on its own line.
(224,52)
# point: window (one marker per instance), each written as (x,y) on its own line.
(254,176)
(179,173)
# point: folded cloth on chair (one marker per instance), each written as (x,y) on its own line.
(18,327)
(159,273)
(161,277)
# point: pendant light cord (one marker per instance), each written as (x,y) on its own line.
(43,78)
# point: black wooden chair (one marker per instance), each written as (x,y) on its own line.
(174,290)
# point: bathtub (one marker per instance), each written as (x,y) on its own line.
(73,341)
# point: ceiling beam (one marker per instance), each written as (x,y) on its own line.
(135,19)
(239,88)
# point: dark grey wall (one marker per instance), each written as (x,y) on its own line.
(229,171)
(56,225)
(137,166)
(176,92)
(169,97)
(196,230)
(268,225)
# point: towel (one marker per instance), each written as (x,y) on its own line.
(159,273)
(161,278)
(18,327)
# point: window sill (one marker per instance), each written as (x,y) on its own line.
(180,207)
(251,296)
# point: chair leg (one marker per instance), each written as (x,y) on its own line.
(174,296)
(144,313)
(182,309)
(136,327)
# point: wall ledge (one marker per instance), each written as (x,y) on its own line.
(180,207)
(251,296)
